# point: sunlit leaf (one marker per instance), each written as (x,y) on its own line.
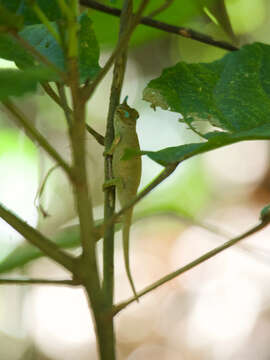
(232,94)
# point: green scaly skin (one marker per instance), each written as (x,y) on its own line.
(127,174)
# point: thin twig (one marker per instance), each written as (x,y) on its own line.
(38,282)
(88,90)
(172,29)
(45,21)
(37,239)
(65,107)
(35,135)
(48,89)
(187,220)
(161,8)
(161,177)
(99,138)
(192,264)
(53,95)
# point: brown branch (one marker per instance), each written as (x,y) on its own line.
(172,29)
(99,138)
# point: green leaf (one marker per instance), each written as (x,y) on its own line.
(172,155)
(39,37)
(88,49)
(21,7)
(18,83)
(9,20)
(232,94)
(222,92)
(11,50)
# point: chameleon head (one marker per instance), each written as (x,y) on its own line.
(126,114)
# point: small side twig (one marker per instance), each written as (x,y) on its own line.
(48,89)
(192,264)
(161,177)
(99,138)
(38,282)
(64,102)
(160,9)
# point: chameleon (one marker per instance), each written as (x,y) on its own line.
(126,174)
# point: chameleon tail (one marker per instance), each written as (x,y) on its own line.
(125,234)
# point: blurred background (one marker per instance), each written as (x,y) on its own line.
(219,310)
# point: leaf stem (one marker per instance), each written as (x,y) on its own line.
(35,135)
(192,264)
(161,8)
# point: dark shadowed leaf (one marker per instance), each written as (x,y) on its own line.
(21,7)
(18,83)
(39,37)
(9,20)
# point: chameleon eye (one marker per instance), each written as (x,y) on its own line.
(126,114)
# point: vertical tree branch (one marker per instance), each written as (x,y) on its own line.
(109,202)
(87,268)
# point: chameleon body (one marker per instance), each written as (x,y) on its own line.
(127,174)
